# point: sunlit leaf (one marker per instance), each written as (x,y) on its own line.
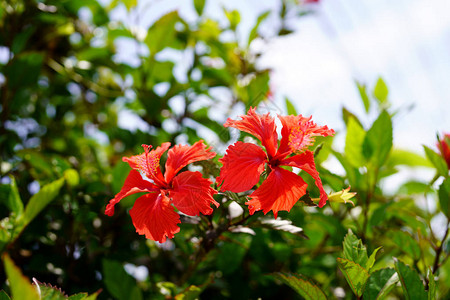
(378,141)
(302,285)
(290,107)
(380,283)
(371,260)
(437,161)
(407,158)
(162,33)
(199,5)
(381,91)
(41,199)
(21,287)
(412,286)
(363,93)
(356,275)
(254,32)
(354,249)
(353,143)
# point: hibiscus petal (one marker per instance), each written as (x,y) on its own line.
(262,127)
(280,191)
(305,161)
(243,163)
(148,162)
(192,194)
(153,216)
(181,155)
(133,184)
(298,133)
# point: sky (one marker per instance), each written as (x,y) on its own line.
(406,42)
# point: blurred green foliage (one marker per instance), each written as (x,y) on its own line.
(63,91)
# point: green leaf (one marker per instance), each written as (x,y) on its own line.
(4,295)
(191,293)
(412,286)
(199,5)
(432,288)
(302,285)
(356,275)
(41,199)
(363,93)
(381,91)
(414,187)
(290,107)
(354,249)
(254,32)
(371,260)
(72,178)
(406,243)
(234,17)
(378,140)
(230,258)
(437,161)
(162,33)
(129,4)
(354,143)
(118,282)
(21,287)
(9,194)
(380,283)
(257,89)
(444,197)
(407,158)
(24,69)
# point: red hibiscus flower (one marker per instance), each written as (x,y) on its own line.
(243,163)
(152,213)
(444,147)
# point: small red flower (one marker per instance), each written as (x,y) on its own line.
(152,213)
(243,163)
(444,147)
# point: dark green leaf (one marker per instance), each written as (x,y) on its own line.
(380,283)
(412,286)
(302,285)
(406,243)
(378,141)
(381,91)
(4,296)
(356,275)
(10,196)
(354,142)
(363,93)
(444,197)
(21,287)
(24,70)
(118,282)
(437,160)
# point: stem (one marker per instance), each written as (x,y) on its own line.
(436,264)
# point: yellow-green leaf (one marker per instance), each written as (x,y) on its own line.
(21,287)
